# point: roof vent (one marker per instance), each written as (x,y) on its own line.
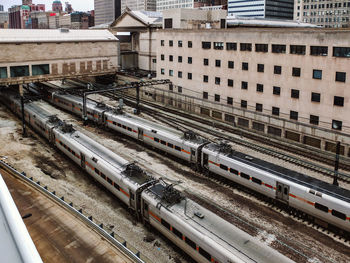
(64,30)
(199,215)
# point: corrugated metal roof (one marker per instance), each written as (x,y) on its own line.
(54,35)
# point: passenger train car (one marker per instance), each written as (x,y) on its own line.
(321,200)
(198,232)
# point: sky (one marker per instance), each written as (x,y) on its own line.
(78,5)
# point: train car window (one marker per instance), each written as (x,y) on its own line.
(156,139)
(145,207)
(109,180)
(124,127)
(285,190)
(132,196)
(204,253)
(177,233)
(170,145)
(318,194)
(178,148)
(223,167)
(321,207)
(114,123)
(165,223)
(190,243)
(163,142)
(119,125)
(312,192)
(73,152)
(279,188)
(256,180)
(233,171)
(103,176)
(245,176)
(338,214)
(116,186)
(97,171)
(129,129)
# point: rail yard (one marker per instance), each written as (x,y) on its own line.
(289,232)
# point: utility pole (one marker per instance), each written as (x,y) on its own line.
(336,165)
(22,106)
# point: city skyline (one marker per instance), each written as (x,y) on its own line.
(77,5)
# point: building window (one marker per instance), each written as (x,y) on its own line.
(246,47)
(189,60)
(171,72)
(205,78)
(231,46)
(279,49)
(318,51)
(231,64)
(315,97)
(314,119)
(40,69)
(205,95)
(244,104)
(261,67)
(259,107)
(338,101)
(275,111)
(162,57)
(171,87)
(296,72)
(179,43)
(162,71)
(219,45)
(189,44)
(244,65)
(217,80)
(277,70)
(206,45)
(205,62)
(297,49)
(168,23)
(179,59)
(261,48)
(244,85)
(171,43)
(217,63)
(259,87)
(179,74)
(19,71)
(189,75)
(276,90)
(337,125)
(340,76)
(162,43)
(293,115)
(230,82)
(294,93)
(3,73)
(217,97)
(229,101)
(317,74)
(343,52)
(179,89)
(171,58)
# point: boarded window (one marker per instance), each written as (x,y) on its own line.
(274,131)
(54,68)
(105,64)
(293,136)
(19,71)
(98,65)
(258,126)
(229,118)
(312,141)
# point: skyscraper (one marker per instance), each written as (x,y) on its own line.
(106,11)
(262,8)
(139,5)
(27,2)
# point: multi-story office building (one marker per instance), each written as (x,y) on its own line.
(4,19)
(287,82)
(331,13)
(262,8)
(1,8)
(165,4)
(139,5)
(106,11)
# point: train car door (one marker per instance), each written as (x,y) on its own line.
(205,160)
(145,211)
(132,200)
(282,192)
(82,160)
(140,134)
(193,155)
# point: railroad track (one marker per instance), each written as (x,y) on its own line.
(183,121)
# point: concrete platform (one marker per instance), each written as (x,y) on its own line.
(58,235)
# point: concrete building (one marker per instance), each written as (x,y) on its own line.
(1,8)
(19,16)
(139,5)
(262,8)
(33,55)
(165,4)
(57,6)
(4,19)
(40,20)
(106,11)
(329,14)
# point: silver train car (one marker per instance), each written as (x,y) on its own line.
(201,234)
(323,201)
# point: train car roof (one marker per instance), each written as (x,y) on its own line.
(79,101)
(112,158)
(279,171)
(219,230)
